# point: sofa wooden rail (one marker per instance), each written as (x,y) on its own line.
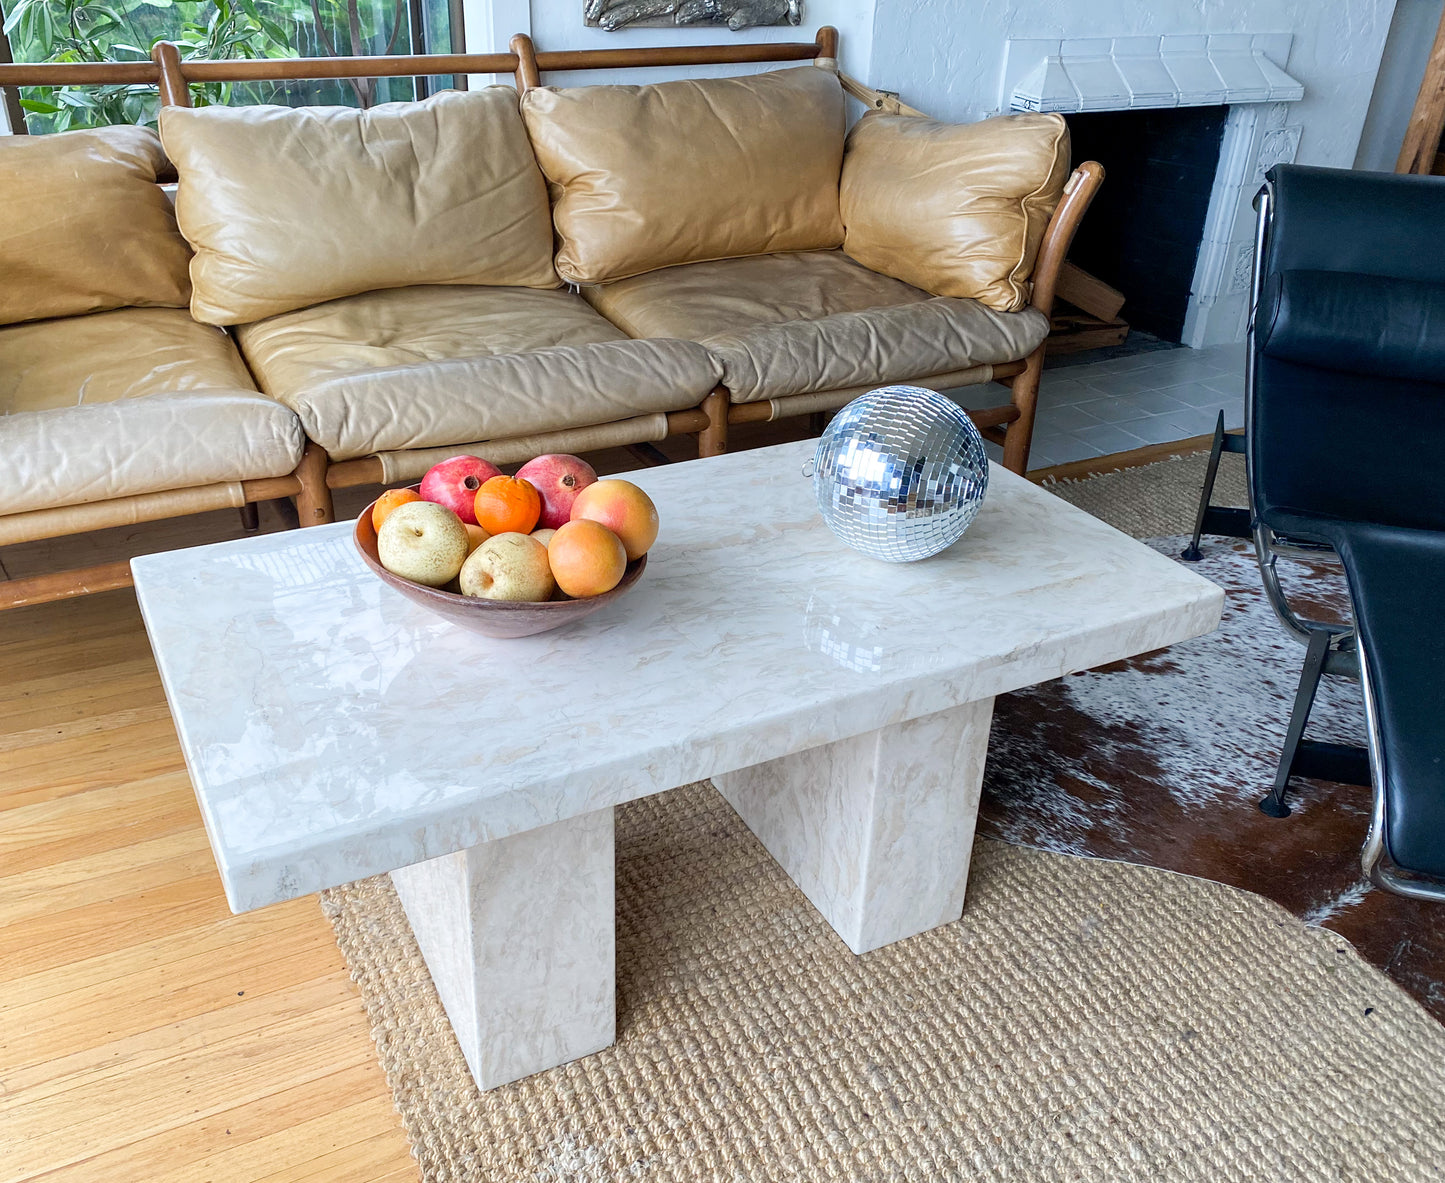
(79,73)
(171,73)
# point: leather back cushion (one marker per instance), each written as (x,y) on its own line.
(955,209)
(645,177)
(290,207)
(1361,324)
(84,226)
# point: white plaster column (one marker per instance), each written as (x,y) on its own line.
(876,830)
(487,27)
(519,937)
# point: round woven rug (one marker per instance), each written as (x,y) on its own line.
(1084,1020)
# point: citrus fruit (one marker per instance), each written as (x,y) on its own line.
(508,505)
(388,501)
(587,558)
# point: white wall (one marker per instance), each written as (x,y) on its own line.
(946,56)
(1412,32)
(557,24)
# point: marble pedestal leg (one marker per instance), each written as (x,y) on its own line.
(877,830)
(519,937)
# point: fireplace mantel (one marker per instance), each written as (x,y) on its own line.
(1122,73)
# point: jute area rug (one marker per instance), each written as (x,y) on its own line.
(1084,1020)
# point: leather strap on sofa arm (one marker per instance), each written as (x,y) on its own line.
(886,101)
(36,524)
(412,465)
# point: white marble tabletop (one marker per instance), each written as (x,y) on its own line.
(334,730)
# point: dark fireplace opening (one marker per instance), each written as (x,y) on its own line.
(1143,232)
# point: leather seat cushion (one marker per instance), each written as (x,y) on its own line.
(85,226)
(1395,573)
(135,400)
(679,172)
(957,209)
(291,207)
(434,366)
(789,324)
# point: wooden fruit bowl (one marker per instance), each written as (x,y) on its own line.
(491,618)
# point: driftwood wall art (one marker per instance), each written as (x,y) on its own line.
(735,14)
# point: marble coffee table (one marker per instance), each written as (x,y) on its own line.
(333,730)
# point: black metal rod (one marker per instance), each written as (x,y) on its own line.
(1192,553)
(1304,700)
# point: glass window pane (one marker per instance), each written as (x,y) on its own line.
(125,30)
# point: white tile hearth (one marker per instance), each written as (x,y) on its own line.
(1093,409)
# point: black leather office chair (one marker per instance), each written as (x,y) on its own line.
(1345,447)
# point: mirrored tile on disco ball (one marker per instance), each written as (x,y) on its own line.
(900,473)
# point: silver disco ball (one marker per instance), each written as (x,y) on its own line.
(900,473)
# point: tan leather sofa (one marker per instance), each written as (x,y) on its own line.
(760,228)
(115,405)
(388,275)
(579,269)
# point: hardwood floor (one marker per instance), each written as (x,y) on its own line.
(145,1032)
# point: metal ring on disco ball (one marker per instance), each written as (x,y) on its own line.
(900,473)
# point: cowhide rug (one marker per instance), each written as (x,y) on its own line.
(1162,760)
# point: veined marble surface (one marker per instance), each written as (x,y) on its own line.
(518,935)
(334,730)
(876,830)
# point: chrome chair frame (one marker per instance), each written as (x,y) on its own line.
(1330,647)
(1375,860)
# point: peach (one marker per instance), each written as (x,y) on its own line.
(587,558)
(624,509)
(508,566)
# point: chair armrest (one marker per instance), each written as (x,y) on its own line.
(1059,234)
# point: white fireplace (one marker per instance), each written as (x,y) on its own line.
(1296,76)
(1242,71)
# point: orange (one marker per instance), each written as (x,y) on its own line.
(587,558)
(508,505)
(388,501)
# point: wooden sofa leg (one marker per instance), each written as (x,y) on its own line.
(712,440)
(1019,435)
(313,503)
